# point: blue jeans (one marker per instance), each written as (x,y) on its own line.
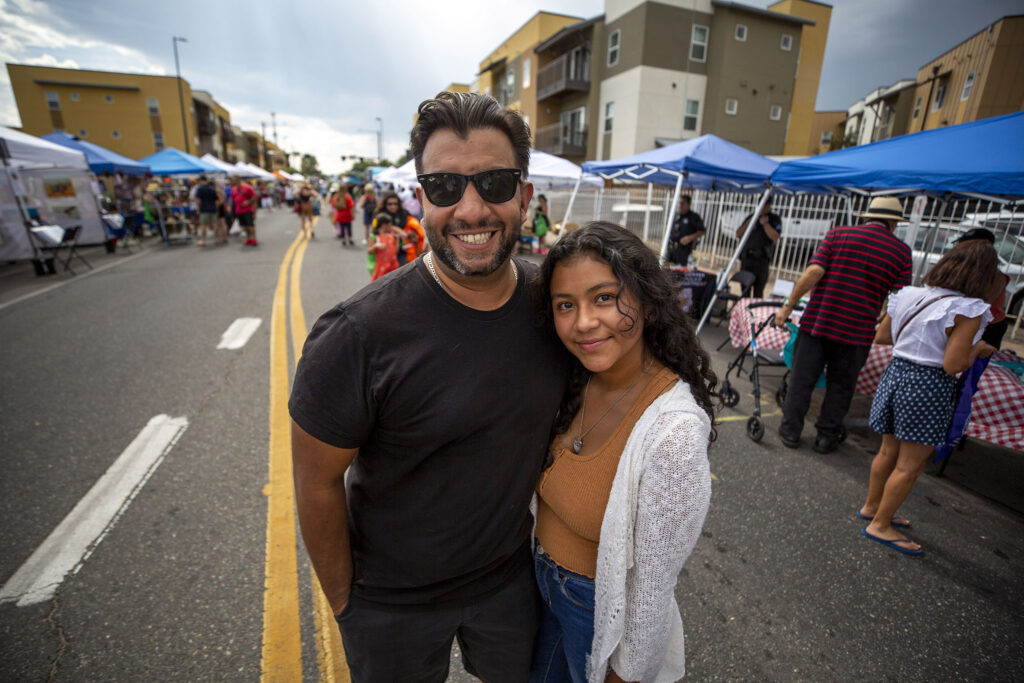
(566,623)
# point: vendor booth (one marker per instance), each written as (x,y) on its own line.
(46,184)
(101,160)
(173,161)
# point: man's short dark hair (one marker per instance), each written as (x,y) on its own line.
(461,113)
(686,197)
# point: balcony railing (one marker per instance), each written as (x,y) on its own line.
(554,78)
(554,140)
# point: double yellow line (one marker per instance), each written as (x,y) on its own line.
(282,633)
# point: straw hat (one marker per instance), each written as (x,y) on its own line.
(886,208)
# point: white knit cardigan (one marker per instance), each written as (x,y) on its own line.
(655,513)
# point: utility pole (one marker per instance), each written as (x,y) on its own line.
(181,97)
(273,124)
(380,143)
(263,126)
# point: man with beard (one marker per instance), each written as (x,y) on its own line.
(421,413)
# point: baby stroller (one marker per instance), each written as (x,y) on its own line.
(759,358)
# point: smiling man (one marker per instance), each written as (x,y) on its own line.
(434,389)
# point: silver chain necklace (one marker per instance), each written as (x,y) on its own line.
(429,259)
(577,443)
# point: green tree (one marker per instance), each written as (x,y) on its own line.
(309,165)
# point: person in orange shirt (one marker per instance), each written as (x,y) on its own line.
(384,246)
(415,238)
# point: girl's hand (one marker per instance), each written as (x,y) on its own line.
(982,350)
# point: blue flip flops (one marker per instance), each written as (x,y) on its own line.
(893,543)
(897,520)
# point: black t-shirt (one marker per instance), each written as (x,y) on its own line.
(685,224)
(451,409)
(759,247)
(207,197)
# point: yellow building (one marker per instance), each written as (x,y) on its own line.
(826,132)
(509,73)
(979,78)
(131,114)
(799,132)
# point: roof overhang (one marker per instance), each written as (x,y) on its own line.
(82,84)
(567,31)
(493,65)
(762,12)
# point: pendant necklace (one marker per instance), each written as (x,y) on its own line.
(429,259)
(577,443)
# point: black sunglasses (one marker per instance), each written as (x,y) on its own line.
(446,189)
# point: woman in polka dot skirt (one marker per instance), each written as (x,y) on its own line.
(936,332)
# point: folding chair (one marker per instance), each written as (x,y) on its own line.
(54,239)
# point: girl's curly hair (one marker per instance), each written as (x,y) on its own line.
(668,331)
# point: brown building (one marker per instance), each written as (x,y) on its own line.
(979,78)
(826,132)
(131,114)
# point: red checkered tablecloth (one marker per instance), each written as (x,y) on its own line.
(997,411)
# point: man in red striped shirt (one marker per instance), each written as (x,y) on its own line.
(850,274)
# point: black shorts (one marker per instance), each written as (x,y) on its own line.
(495,636)
(247,219)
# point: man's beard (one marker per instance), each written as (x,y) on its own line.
(445,253)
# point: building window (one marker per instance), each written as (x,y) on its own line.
(579,63)
(153,105)
(510,86)
(787,42)
(699,43)
(116,135)
(158,141)
(917,107)
(613,47)
(573,124)
(966,92)
(690,117)
(82,132)
(75,98)
(731,106)
(741,33)
(609,114)
(109,99)
(526,73)
(775,113)
(52,100)
(940,95)
(826,137)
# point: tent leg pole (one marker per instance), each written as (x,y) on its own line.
(724,276)
(671,219)
(647,211)
(572,199)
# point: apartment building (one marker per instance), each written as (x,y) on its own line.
(647,74)
(881,114)
(509,73)
(131,114)
(827,129)
(981,77)
(213,125)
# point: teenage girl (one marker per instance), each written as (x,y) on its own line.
(623,500)
(936,333)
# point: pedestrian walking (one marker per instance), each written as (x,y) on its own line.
(206,202)
(244,201)
(422,408)
(304,201)
(936,333)
(368,205)
(849,276)
(622,502)
(342,203)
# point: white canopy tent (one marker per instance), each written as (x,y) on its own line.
(257,172)
(548,172)
(224,166)
(48,182)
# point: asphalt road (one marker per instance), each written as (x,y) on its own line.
(781,587)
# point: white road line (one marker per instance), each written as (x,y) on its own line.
(238,333)
(70,544)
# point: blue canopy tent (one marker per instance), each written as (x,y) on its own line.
(707,162)
(976,158)
(172,161)
(101,160)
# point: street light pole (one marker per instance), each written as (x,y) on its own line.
(181,97)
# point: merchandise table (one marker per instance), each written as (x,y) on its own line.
(997,411)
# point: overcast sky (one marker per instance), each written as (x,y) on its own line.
(329,68)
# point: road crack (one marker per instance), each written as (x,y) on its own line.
(53,620)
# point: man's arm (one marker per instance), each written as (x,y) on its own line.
(808,279)
(319,474)
(770,230)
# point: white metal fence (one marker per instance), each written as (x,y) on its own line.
(644,210)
